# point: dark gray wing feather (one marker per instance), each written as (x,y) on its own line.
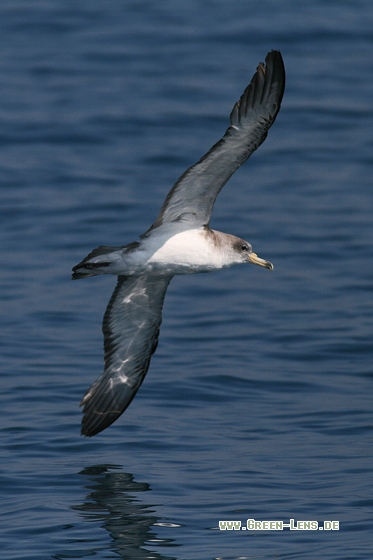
(192,197)
(131,327)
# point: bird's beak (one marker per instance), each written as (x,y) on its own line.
(254,259)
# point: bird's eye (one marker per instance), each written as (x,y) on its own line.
(244,247)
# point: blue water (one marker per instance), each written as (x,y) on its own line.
(258,402)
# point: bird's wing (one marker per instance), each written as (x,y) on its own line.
(131,327)
(192,197)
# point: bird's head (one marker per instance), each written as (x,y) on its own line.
(245,254)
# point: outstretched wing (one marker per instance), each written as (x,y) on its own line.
(131,327)
(192,197)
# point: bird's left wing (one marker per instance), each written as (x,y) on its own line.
(192,197)
(131,327)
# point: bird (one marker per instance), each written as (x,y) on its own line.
(180,241)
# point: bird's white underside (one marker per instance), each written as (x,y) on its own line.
(188,251)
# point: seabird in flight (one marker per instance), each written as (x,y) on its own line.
(180,241)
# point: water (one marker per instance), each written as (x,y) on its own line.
(258,402)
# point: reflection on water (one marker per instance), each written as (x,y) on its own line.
(112,502)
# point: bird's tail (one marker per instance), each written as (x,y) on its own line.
(93,263)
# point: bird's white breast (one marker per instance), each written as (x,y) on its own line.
(186,251)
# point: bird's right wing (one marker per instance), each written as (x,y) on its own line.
(192,197)
(131,327)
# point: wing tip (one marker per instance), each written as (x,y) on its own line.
(94,422)
(275,62)
(266,86)
(100,409)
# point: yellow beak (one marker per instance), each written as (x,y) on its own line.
(254,259)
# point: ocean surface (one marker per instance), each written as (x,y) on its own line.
(258,401)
